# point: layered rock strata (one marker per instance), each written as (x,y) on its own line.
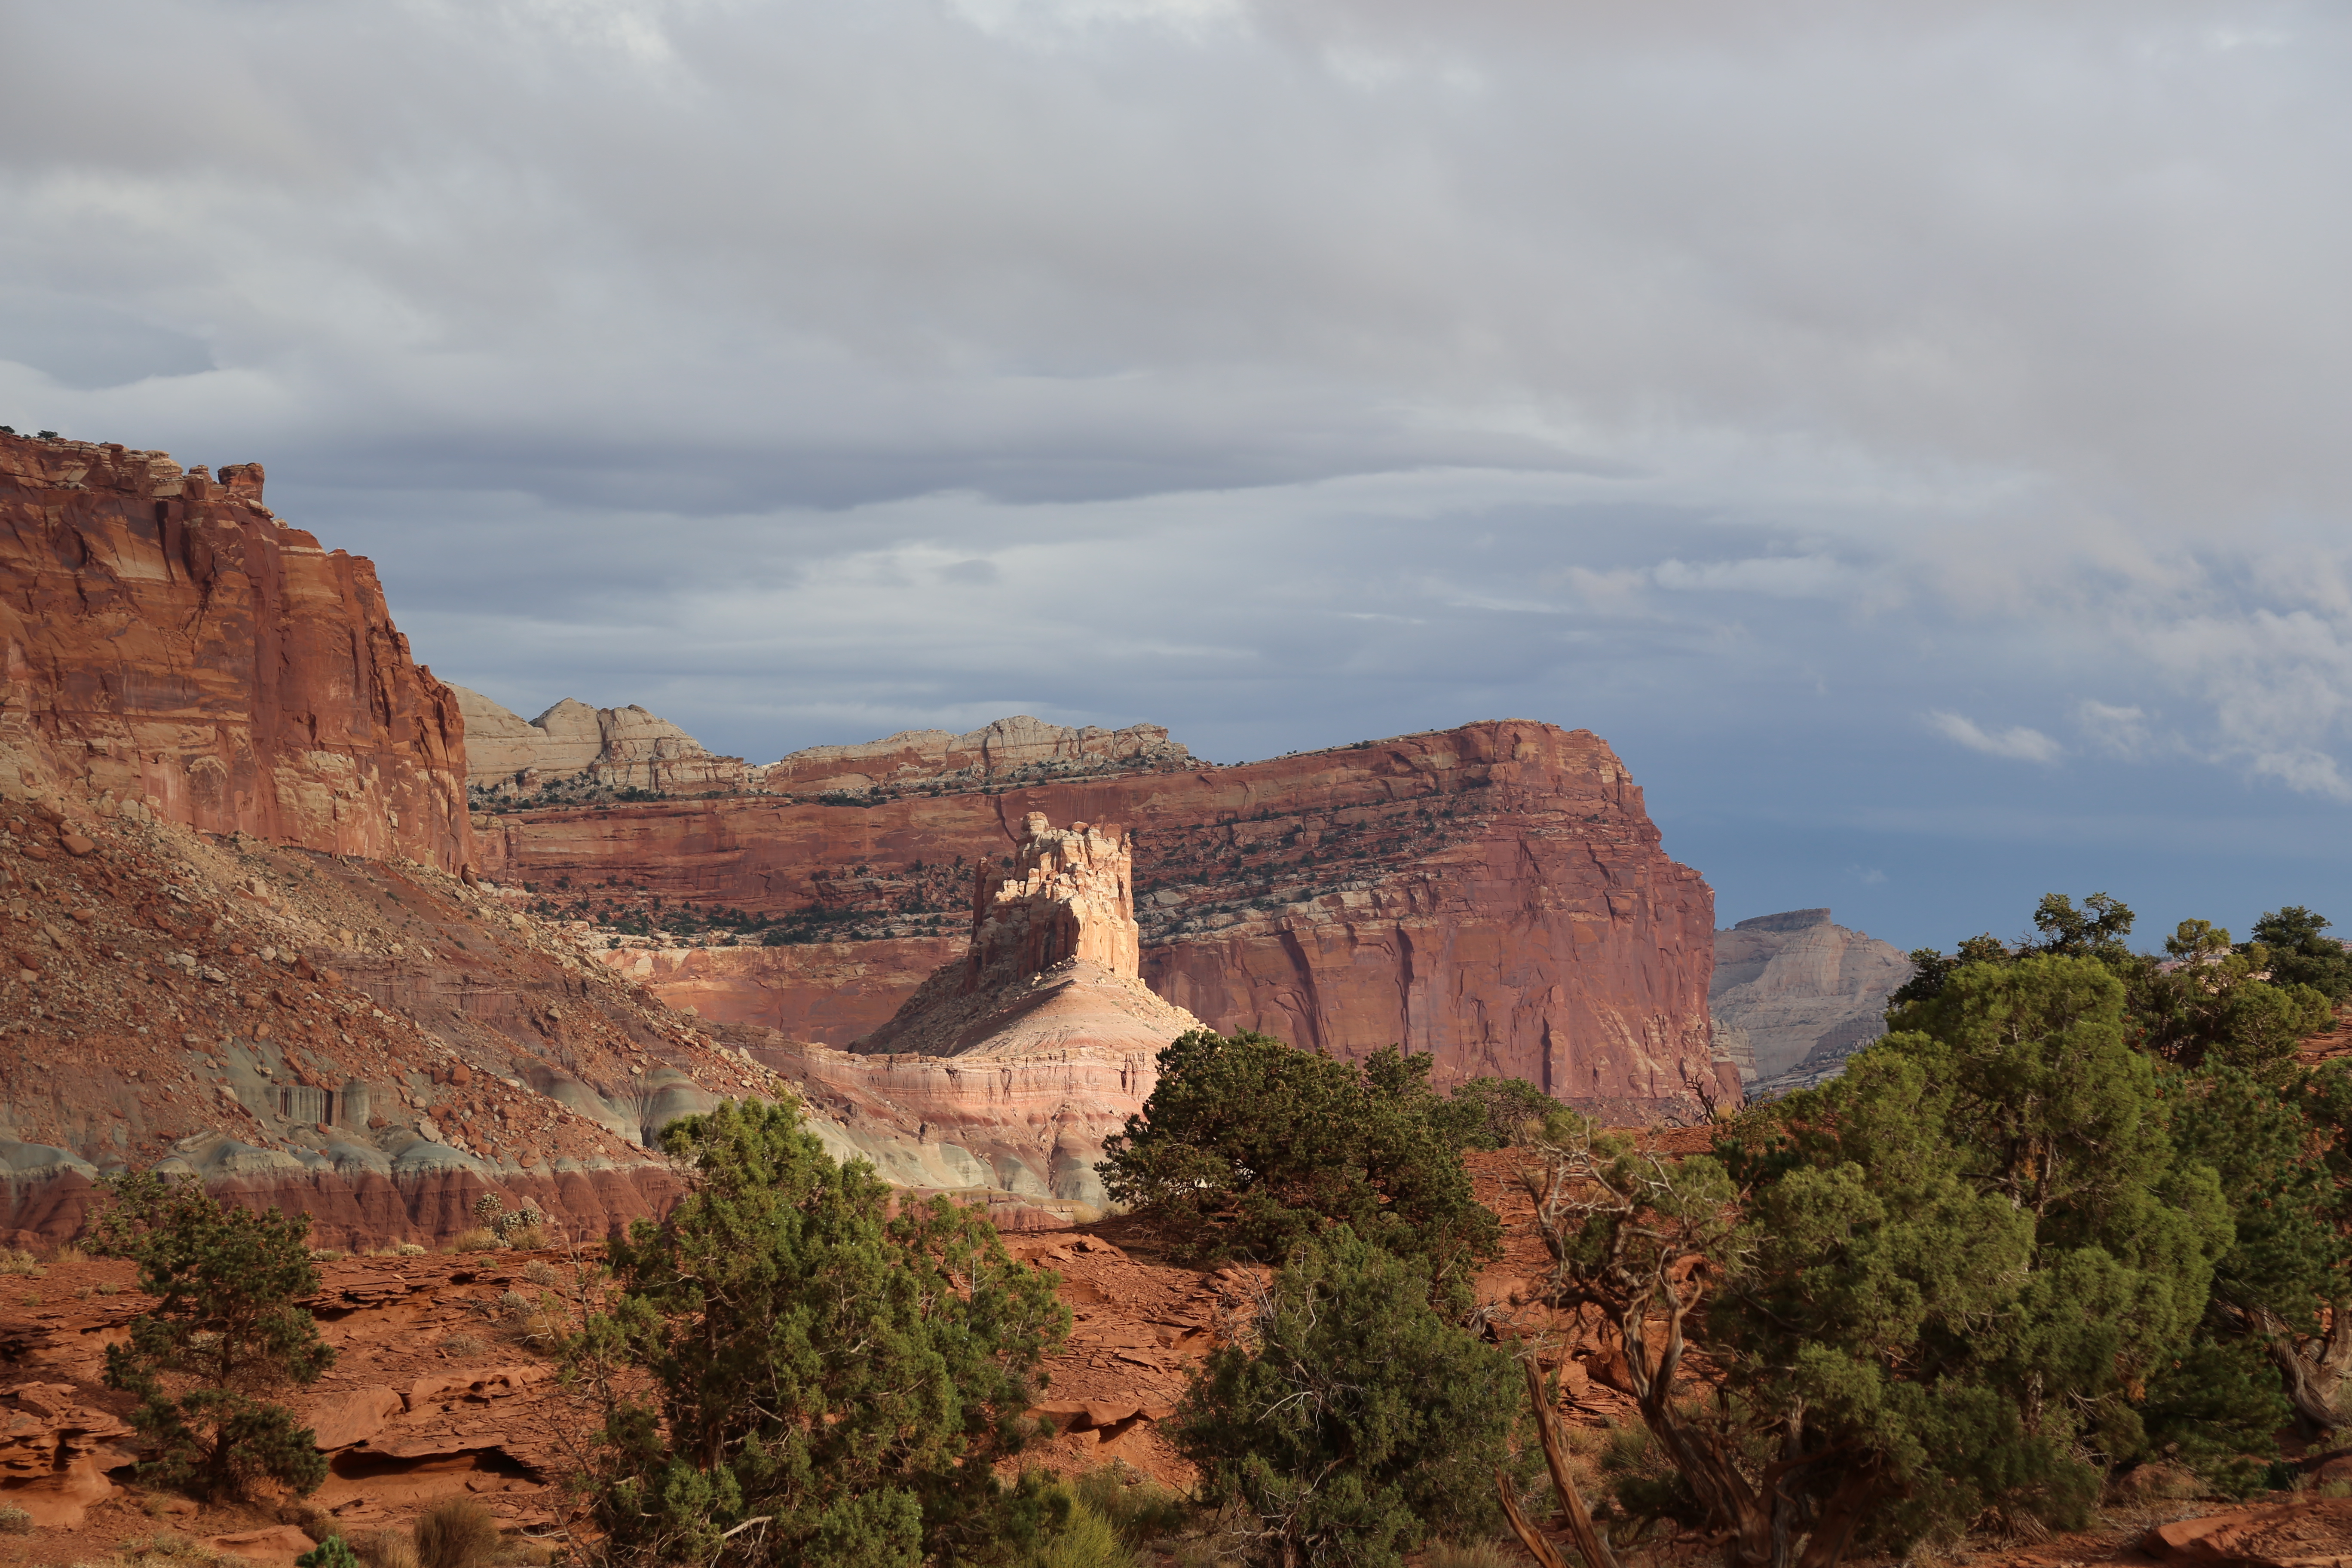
(1494,894)
(373,1043)
(165,642)
(605,747)
(1020,746)
(1796,991)
(1009,1067)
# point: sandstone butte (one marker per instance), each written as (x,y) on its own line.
(1494,894)
(1007,1068)
(164,637)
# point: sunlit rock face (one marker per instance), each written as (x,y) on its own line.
(164,640)
(1796,994)
(1010,1065)
(1495,895)
(612,748)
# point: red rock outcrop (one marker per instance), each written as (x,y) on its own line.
(375,1044)
(166,642)
(1009,1067)
(1494,894)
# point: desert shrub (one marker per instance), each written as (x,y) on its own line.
(328,1254)
(474,1238)
(332,1552)
(1499,1112)
(464,1344)
(1248,1147)
(410,1249)
(459,1533)
(225,1330)
(1356,1419)
(528,1237)
(387,1549)
(1476,1554)
(542,1273)
(1139,1507)
(15,1521)
(851,1377)
(1081,1539)
(16,1260)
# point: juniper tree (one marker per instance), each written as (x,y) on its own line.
(225,1331)
(1935,1289)
(1248,1147)
(790,1374)
(1351,1420)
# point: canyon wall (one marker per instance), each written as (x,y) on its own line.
(165,640)
(1494,894)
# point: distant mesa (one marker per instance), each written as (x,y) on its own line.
(1018,746)
(576,748)
(607,748)
(1795,993)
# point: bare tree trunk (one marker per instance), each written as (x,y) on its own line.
(1545,1555)
(1588,1538)
(2315,1370)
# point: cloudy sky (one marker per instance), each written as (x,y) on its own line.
(1913,435)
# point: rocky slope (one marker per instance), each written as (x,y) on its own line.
(1494,894)
(1794,991)
(164,639)
(374,1043)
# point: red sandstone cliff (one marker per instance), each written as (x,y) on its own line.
(231,940)
(165,640)
(1494,894)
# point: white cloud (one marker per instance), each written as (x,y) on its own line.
(2018,744)
(2121,732)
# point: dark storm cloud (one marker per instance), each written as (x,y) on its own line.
(1923,406)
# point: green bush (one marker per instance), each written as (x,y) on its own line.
(1501,1112)
(1357,1420)
(332,1552)
(830,1385)
(1247,1148)
(224,1331)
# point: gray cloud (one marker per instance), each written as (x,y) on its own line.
(1741,387)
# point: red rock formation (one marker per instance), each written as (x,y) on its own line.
(1071,895)
(1008,1068)
(1494,894)
(165,640)
(374,1044)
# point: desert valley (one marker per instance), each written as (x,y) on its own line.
(293,919)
